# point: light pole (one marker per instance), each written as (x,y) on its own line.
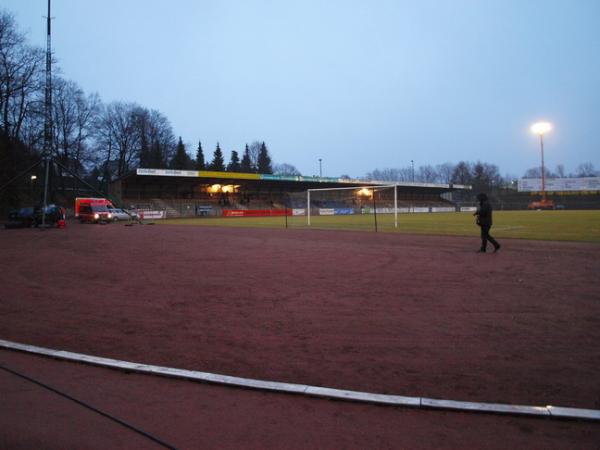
(541,128)
(320,169)
(33,178)
(412,170)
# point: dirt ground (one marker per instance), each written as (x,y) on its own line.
(385,313)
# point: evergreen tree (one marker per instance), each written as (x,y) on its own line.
(181,160)
(157,160)
(200,164)
(264,160)
(218,163)
(145,153)
(246,165)
(234,162)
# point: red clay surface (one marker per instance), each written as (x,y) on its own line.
(190,415)
(385,313)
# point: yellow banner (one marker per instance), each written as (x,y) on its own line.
(234,175)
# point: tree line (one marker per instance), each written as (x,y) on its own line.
(483,177)
(99,142)
(480,175)
(255,159)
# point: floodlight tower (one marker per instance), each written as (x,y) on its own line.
(47,151)
(541,128)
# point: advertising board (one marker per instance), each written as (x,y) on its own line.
(152,215)
(559,184)
(254,212)
(326,211)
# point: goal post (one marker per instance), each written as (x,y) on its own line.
(366,206)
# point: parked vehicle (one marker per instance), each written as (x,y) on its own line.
(94,213)
(542,204)
(20,218)
(93,210)
(122,214)
(32,216)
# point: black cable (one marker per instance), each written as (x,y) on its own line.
(85,405)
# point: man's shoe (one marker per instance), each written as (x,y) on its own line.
(496,248)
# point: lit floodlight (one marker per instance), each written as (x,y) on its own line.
(541,128)
(364,192)
(33,177)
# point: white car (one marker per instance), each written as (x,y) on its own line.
(123,214)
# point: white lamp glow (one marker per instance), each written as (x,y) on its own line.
(541,128)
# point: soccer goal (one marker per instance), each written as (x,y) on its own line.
(362,207)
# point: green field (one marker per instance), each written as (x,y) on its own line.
(581,226)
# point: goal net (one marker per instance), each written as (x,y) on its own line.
(364,207)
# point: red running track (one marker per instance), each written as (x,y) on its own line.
(385,313)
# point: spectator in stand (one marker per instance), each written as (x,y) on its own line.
(484,220)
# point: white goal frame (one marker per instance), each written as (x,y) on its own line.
(381,186)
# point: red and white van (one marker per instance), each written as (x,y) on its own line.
(93,210)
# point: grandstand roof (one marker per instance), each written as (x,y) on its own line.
(168,176)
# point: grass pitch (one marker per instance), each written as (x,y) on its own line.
(583,226)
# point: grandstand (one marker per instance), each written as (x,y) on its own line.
(181,193)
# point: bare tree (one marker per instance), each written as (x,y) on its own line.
(485,177)
(285,169)
(157,140)
(20,80)
(390,174)
(445,172)
(76,116)
(427,174)
(254,152)
(536,172)
(119,138)
(462,173)
(586,170)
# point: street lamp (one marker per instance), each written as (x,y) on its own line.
(33,178)
(541,128)
(412,170)
(320,169)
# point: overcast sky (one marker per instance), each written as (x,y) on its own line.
(360,84)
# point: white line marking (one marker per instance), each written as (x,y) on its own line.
(516,227)
(558,412)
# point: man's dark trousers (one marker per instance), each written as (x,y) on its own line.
(485,236)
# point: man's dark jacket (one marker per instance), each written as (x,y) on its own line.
(485,211)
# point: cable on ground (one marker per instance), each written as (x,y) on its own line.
(90,407)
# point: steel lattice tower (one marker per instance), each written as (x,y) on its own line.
(47,152)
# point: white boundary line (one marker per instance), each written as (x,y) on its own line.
(314,391)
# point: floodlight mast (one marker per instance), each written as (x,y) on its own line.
(540,128)
(47,151)
(543,169)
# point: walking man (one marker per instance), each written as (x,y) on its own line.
(484,220)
